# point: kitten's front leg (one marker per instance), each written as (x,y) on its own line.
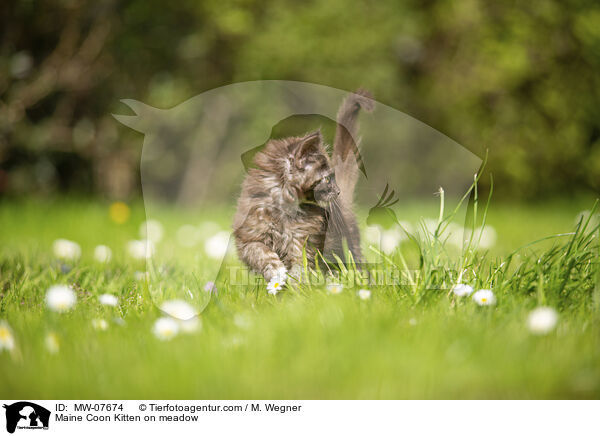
(261,259)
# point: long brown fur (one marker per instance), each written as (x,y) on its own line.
(291,202)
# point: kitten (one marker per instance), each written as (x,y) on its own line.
(297,197)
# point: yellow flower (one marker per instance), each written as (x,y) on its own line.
(335,288)
(6,337)
(165,328)
(52,344)
(484,297)
(119,212)
(364,294)
(60,298)
(99,324)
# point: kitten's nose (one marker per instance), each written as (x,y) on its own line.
(337,191)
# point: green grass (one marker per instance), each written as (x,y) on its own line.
(405,342)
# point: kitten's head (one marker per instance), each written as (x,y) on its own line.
(307,173)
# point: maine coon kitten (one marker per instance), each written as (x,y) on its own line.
(299,198)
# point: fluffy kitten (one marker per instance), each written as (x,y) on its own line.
(298,197)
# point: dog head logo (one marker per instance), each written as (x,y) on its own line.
(26,415)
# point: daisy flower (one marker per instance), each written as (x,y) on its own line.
(277,281)
(390,239)
(52,344)
(183,314)
(65,249)
(335,288)
(462,290)
(100,324)
(364,294)
(165,328)
(108,300)
(7,341)
(102,253)
(216,245)
(152,230)
(275,285)
(542,320)
(484,297)
(60,298)
(178,309)
(140,249)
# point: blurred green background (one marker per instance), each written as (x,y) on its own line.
(516,78)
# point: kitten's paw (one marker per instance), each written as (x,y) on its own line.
(275,271)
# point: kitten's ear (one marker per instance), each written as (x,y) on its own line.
(309,144)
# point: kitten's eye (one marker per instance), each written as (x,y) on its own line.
(327,179)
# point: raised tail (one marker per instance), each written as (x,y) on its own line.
(346,155)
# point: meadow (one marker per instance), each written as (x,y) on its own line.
(415,339)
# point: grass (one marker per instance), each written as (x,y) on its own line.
(406,341)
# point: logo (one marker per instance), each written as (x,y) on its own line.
(26,415)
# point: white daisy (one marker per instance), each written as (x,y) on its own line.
(484,297)
(364,294)
(60,298)
(165,328)
(275,285)
(102,253)
(140,249)
(108,300)
(183,313)
(390,239)
(7,340)
(462,290)
(542,320)
(52,343)
(65,249)
(99,324)
(335,288)
(216,245)
(152,230)
(178,309)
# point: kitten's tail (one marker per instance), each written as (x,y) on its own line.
(346,156)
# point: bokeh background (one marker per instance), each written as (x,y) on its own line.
(517,79)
